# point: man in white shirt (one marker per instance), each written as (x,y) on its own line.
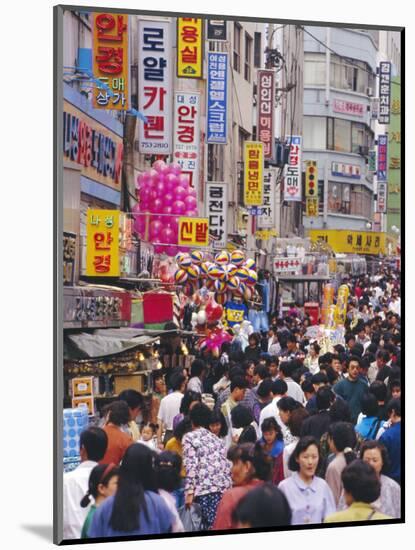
(278,389)
(294,389)
(170,407)
(93,444)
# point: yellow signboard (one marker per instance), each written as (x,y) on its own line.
(102,243)
(189,47)
(311,207)
(110,60)
(265,234)
(193,231)
(254,168)
(343,241)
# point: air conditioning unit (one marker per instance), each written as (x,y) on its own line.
(369,92)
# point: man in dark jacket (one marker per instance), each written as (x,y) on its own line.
(318,424)
(352,388)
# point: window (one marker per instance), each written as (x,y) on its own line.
(237,31)
(215,162)
(338,200)
(248,56)
(242,137)
(360,201)
(359,137)
(314,132)
(351,75)
(342,135)
(257,50)
(314,69)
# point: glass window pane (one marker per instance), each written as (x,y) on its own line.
(342,135)
(314,132)
(314,69)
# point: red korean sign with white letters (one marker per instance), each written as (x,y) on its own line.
(155,85)
(266,106)
(186,147)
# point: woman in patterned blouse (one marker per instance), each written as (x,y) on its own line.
(208,472)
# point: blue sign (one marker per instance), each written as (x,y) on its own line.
(382,172)
(217,92)
(256,211)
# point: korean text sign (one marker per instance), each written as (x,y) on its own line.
(186,148)
(193,231)
(111,60)
(155,86)
(292,171)
(102,245)
(382,172)
(385,69)
(267,219)
(216,29)
(217,91)
(343,241)
(217,212)
(254,170)
(382,193)
(189,47)
(266,101)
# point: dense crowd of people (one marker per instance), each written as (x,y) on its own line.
(272,435)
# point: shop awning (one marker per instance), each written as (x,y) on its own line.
(106,342)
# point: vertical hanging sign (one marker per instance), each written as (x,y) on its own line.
(292,171)
(102,243)
(266,105)
(382,171)
(254,169)
(110,61)
(217,212)
(189,47)
(217,90)
(186,147)
(155,87)
(267,219)
(385,69)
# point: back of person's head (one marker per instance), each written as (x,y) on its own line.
(197,367)
(253,453)
(319,378)
(307,386)
(286,367)
(296,420)
(94,441)
(394,406)
(265,388)
(238,382)
(379,390)
(372,348)
(369,404)
(241,416)
(133,398)
(324,398)
(340,411)
(332,375)
(168,466)
(265,506)
(136,475)
(182,428)
(271,425)
(361,482)
(177,380)
(303,444)
(279,387)
(357,350)
(288,404)
(100,474)
(344,438)
(262,371)
(200,415)
(236,372)
(118,413)
(189,397)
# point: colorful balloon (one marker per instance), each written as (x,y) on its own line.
(252,277)
(250,263)
(190,202)
(159,166)
(216,272)
(197,257)
(181,276)
(220,286)
(179,207)
(193,272)
(220,298)
(180,193)
(155,228)
(233,283)
(185,261)
(222,258)
(242,273)
(214,311)
(159,249)
(167,236)
(237,257)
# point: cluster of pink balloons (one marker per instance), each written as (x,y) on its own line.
(164,194)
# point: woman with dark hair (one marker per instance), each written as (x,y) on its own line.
(168,466)
(273,445)
(342,440)
(118,415)
(102,484)
(361,488)
(295,423)
(174,445)
(369,426)
(207,469)
(309,496)
(389,502)
(136,508)
(311,361)
(190,398)
(264,506)
(218,425)
(250,468)
(286,405)
(243,424)
(253,350)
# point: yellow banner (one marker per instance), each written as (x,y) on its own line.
(102,243)
(110,60)
(311,207)
(254,167)
(189,47)
(351,242)
(193,231)
(265,234)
